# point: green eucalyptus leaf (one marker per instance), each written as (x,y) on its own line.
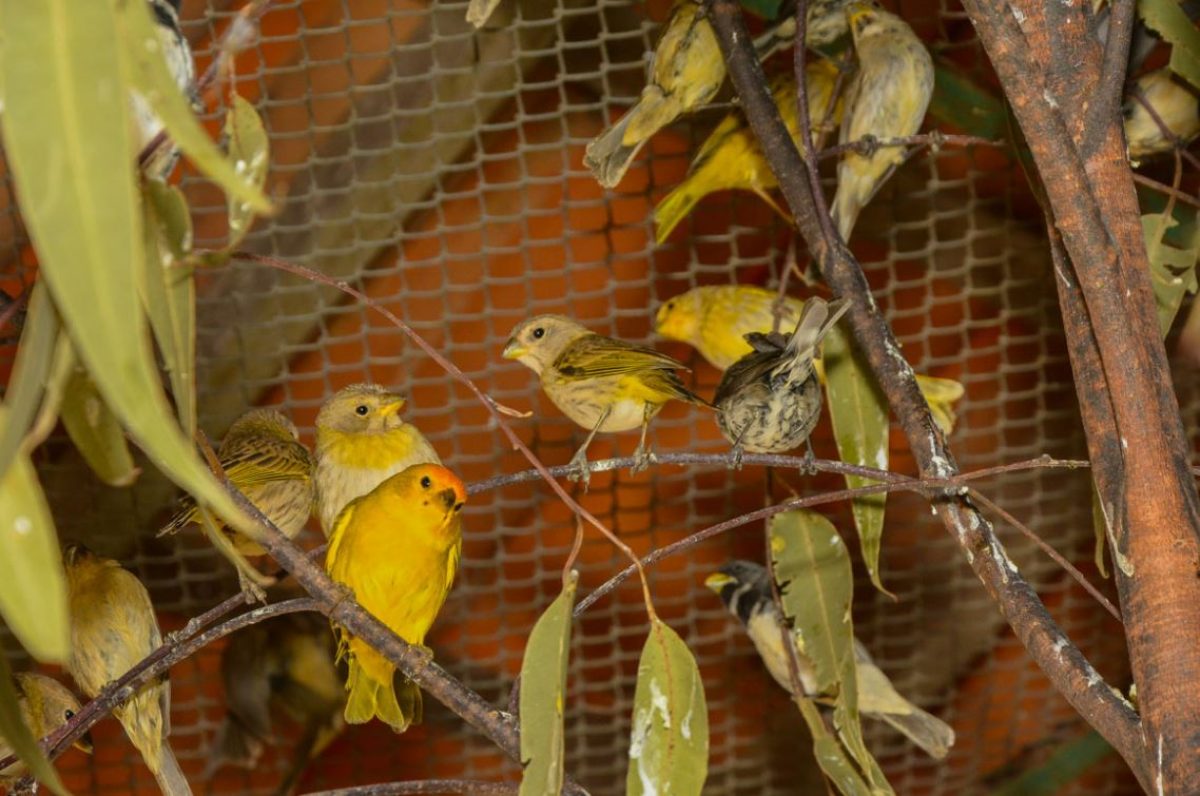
(1172,269)
(962,103)
(859,415)
(1186,64)
(168,292)
(668,749)
(95,431)
(149,76)
(543,694)
(831,755)
(1169,20)
(33,589)
(32,367)
(16,735)
(249,149)
(72,163)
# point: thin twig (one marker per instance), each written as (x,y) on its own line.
(464,786)
(934,139)
(13,306)
(456,373)
(1166,190)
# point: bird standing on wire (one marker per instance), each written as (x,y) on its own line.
(283,664)
(745,589)
(731,159)
(601,383)
(263,457)
(769,400)
(45,705)
(361,441)
(397,550)
(887,99)
(113,627)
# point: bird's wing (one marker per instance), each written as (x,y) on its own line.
(261,461)
(595,356)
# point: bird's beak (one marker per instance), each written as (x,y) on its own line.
(450,499)
(84,743)
(513,350)
(718,581)
(389,409)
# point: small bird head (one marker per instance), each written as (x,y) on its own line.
(679,317)
(50,704)
(427,489)
(361,409)
(867,20)
(743,586)
(265,421)
(537,342)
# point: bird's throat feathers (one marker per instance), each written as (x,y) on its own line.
(367,451)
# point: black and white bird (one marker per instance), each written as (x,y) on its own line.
(769,400)
(178,55)
(745,588)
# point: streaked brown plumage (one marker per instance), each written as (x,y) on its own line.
(770,400)
(45,705)
(601,383)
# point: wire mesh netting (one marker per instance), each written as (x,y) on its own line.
(438,169)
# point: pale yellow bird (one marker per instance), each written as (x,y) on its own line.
(361,442)
(731,159)
(45,705)
(113,627)
(887,99)
(1175,103)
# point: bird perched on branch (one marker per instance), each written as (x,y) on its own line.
(685,74)
(178,55)
(769,401)
(887,99)
(716,319)
(731,159)
(601,383)
(263,457)
(45,705)
(397,550)
(113,627)
(361,441)
(1173,102)
(745,589)
(285,664)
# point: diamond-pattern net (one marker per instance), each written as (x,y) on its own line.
(439,170)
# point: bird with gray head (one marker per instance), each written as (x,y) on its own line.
(745,588)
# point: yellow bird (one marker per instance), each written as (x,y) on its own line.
(730,158)
(263,457)
(361,441)
(745,589)
(45,705)
(113,627)
(284,665)
(716,319)
(601,383)
(887,99)
(397,550)
(1175,103)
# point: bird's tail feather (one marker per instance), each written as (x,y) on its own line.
(169,776)
(610,153)
(235,745)
(816,320)
(370,698)
(673,208)
(929,732)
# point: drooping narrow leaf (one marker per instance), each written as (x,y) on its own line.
(95,431)
(543,694)
(33,590)
(169,292)
(249,149)
(668,748)
(966,105)
(19,737)
(812,567)
(149,76)
(1172,269)
(859,415)
(1168,19)
(72,162)
(30,370)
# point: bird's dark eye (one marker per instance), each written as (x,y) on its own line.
(670,306)
(361,410)
(426,482)
(539,333)
(70,714)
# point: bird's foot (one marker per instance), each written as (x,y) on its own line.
(424,654)
(251,591)
(809,465)
(642,459)
(735,461)
(579,469)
